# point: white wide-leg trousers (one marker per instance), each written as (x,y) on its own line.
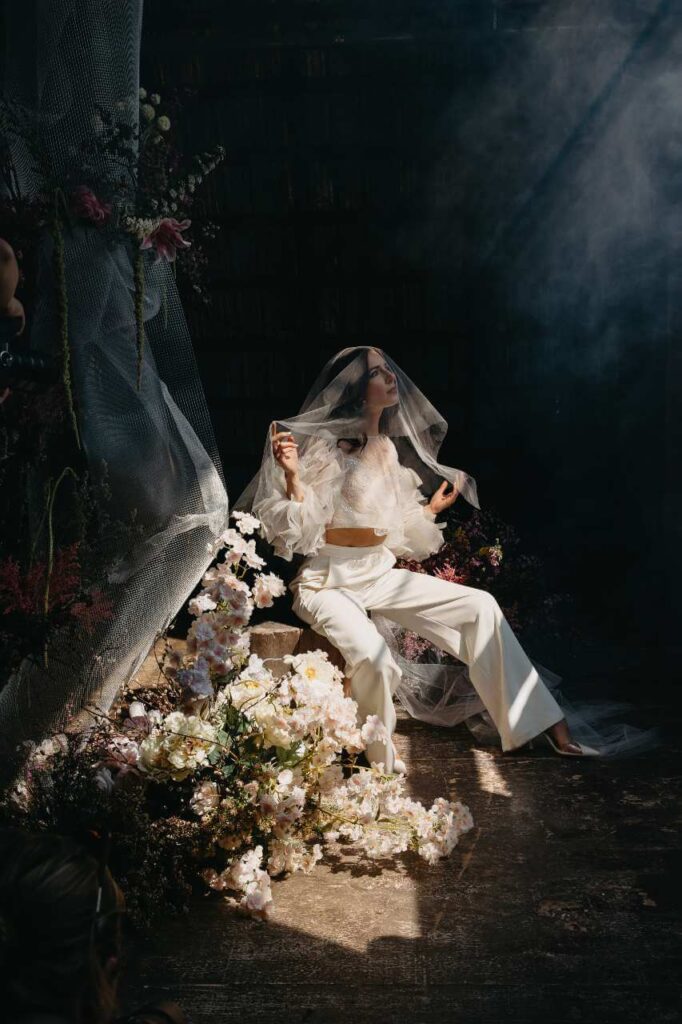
(336,589)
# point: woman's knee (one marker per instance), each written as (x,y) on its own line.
(375,655)
(379,656)
(298,606)
(486,604)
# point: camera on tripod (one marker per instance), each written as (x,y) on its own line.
(21,364)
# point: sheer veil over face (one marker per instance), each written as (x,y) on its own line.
(335,409)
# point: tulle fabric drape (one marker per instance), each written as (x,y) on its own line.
(155,445)
(440,692)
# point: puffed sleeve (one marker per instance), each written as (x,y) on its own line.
(298,526)
(422,535)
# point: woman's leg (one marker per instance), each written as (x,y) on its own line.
(370,666)
(469,623)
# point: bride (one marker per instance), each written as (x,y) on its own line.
(341,484)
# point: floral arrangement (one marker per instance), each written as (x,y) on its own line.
(55,591)
(130,184)
(225,772)
(485,552)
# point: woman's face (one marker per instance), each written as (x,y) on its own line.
(382,387)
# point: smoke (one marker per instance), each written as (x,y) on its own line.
(559,175)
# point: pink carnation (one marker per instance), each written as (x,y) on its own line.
(166,238)
(86,205)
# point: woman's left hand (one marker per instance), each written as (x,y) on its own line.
(440,500)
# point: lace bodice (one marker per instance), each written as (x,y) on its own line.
(369,493)
(365,487)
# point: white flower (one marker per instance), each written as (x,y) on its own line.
(180,746)
(142,94)
(246,875)
(201,603)
(147,112)
(246,523)
(374,731)
(258,900)
(205,799)
(253,560)
(155,99)
(314,665)
(285,778)
(163,123)
(255,669)
(292,854)
(265,588)
(244,870)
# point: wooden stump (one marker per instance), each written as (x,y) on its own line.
(311,641)
(272,640)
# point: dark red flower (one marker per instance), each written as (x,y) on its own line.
(86,205)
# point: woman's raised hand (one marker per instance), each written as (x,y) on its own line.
(440,500)
(285,450)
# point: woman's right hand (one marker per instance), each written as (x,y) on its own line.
(285,451)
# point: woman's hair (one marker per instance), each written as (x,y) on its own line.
(351,399)
(53,943)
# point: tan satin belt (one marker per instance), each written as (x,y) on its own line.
(353,536)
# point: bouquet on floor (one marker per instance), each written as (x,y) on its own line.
(225,772)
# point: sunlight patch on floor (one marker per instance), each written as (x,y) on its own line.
(490,778)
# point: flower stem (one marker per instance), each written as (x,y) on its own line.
(63,311)
(139,311)
(52,493)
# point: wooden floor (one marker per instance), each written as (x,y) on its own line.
(563,904)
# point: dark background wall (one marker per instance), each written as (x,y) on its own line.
(491,191)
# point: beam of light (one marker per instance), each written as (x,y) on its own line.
(489,776)
(518,705)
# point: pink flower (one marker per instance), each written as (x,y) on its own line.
(166,238)
(86,205)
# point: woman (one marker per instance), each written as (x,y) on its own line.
(347,496)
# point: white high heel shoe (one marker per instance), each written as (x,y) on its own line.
(583,750)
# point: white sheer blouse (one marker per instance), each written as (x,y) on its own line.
(365,488)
